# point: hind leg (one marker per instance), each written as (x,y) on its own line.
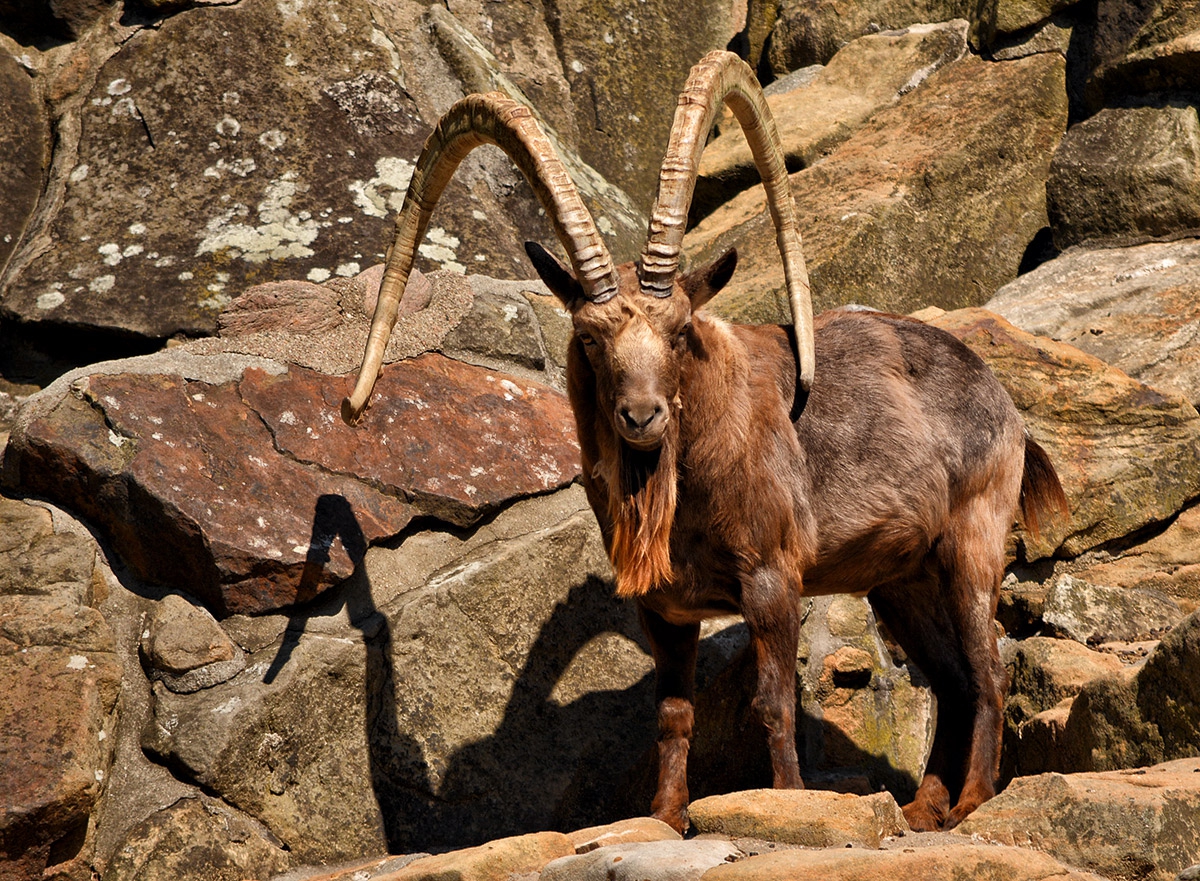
(945,624)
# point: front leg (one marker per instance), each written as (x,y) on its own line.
(674,648)
(770,607)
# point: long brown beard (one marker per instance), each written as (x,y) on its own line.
(642,511)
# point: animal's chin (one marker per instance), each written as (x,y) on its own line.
(643,444)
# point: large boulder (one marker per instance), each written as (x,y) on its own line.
(1144,49)
(230,476)
(1137,308)
(816,112)
(807,32)
(1142,717)
(1123,824)
(24,153)
(1128,455)
(199,170)
(933,201)
(1125,174)
(61,676)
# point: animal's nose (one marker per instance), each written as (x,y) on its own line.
(639,415)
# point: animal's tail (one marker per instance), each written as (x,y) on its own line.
(1042,494)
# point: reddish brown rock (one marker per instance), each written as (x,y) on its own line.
(254,495)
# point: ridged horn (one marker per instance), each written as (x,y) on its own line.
(721,77)
(474,120)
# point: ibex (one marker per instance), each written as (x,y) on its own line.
(739,468)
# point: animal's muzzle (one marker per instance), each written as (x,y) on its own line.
(642,422)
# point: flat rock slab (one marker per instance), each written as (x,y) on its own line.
(252,494)
(937,863)
(1094,613)
(1140,823)
(1135,308)
(494,861)
(629,831)
(1128,455)
(813,818)
(644,861)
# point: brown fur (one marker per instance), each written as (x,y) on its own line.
(718,490)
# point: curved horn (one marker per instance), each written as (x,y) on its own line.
(723,77)
(481,119)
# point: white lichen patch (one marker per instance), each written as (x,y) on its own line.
(319,275)
(77,662)
(279,234)
(442,248)
(119,87)
(79,173)
(384,193)
(102,284)
(229,127)
(348,270)
(111,252)
(272,139)
(50,300)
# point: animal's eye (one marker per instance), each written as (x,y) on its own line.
(586,338)
(681,337)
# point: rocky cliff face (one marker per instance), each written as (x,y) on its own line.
(238,638)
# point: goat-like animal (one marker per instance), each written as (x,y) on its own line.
(725,479)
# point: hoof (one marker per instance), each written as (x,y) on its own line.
(676,819)
(921,817)
(961,812)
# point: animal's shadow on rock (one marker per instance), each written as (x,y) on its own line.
(564,755)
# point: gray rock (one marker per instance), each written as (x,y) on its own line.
(186,649)
(1091,613)
(1136,308)
(645,861)
(1125,174)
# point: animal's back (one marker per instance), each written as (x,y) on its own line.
(904,426)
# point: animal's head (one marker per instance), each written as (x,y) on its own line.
(631,319)
(636,340)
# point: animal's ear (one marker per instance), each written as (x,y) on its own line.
(556,276)
(702,285)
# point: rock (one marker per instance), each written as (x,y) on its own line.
(1045,674)
(1019,610)
(644,861)
(1140,717)
(61,683)
(1092,613)
(458,689)
(1159,56)
(255,476)
(1128,455)
(865,76)
(1167,562)
(1046,671)
(494,861)
(638,829)
(1119,824)
(1126,173)
(812,818)
(945,862)
(229,160)
(999,18)
(933,201)
(197,839)
(61,680)
(808,33)
(1136,308)
(186,649)
(24,153)
(629,62)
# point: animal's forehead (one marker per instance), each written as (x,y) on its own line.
(631,304)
